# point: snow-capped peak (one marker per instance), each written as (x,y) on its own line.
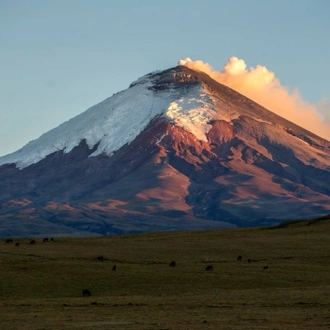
(189,99)
(119,119)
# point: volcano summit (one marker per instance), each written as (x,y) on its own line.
(176,150)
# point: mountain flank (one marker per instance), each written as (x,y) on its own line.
(175,151)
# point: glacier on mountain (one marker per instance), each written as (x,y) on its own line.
(178,95)
(118,120)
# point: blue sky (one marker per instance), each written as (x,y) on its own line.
(58,58)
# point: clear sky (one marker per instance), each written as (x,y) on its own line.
(59,57)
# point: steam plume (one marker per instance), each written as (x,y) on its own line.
(262,86)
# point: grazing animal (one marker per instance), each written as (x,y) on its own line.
(172,264)
(9,241)
(266,267)
(239,258)
(249,260)
(209,268)
(114,268)
(16,244)
(33,242)
(45,239)
(52,239)
(100,258)
(86,293)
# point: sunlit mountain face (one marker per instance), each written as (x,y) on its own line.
(175,151)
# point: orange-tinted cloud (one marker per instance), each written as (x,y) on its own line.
(262,86)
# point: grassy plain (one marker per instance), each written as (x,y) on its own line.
(41,285)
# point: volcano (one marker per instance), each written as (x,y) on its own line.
(175,151)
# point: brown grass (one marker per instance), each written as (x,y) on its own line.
(41,286)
